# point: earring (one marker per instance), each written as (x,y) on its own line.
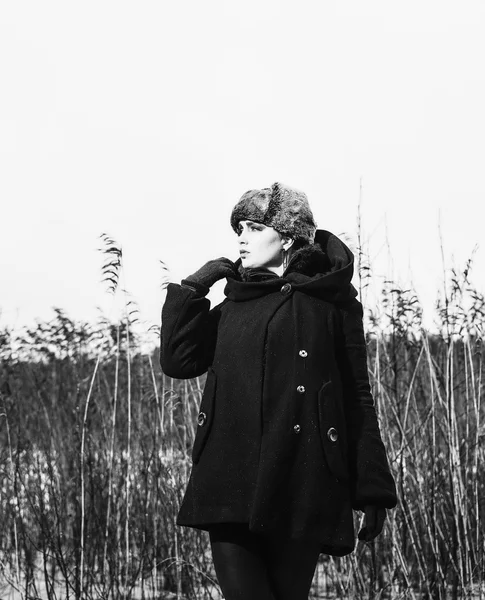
(285,259)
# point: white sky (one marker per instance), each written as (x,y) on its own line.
(148,120)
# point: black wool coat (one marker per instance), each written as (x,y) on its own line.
(287,438)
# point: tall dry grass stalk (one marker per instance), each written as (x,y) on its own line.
(111,455)
(13,481)
(83,490)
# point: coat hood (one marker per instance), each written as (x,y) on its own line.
(323,269)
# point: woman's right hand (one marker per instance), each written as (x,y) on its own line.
(212,271)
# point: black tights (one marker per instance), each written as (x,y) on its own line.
(261,567)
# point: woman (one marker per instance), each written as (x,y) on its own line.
(288,442)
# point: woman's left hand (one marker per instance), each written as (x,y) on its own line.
(373,524)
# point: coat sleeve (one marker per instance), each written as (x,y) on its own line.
(188,333)
(372,481)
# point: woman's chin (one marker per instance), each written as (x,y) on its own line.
(246,263)
(249,264)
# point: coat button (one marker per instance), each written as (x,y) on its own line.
(303,353)
(201,418)
(286,288)
(332,434)
(300,389)
(297,428)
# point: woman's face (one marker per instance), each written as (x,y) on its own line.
(260,246)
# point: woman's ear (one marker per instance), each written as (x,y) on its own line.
(287,242)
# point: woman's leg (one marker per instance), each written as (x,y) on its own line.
(291,567)
(239,563)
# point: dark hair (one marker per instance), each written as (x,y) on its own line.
(300,243)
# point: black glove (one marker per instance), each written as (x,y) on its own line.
(374,522)
(211,272)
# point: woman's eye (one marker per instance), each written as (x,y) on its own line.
(250,227)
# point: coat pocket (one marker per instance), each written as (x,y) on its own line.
(333,432)
(205,416)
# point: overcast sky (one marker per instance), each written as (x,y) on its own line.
(148,120)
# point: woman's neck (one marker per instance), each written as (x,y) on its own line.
(278,270)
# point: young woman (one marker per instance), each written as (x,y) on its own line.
(287,442)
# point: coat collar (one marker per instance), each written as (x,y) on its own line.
(323,269)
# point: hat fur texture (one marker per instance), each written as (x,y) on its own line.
(284,208)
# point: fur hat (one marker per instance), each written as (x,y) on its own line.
(281,207)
